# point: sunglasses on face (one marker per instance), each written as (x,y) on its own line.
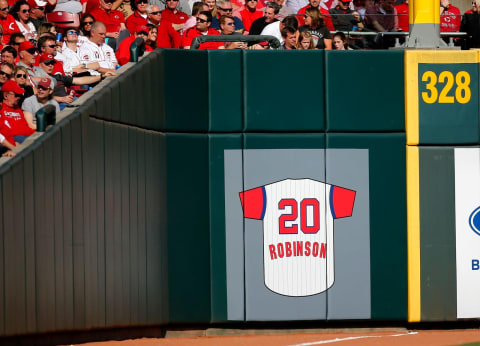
(87,23)
(39,8)
(201,20)
(42,88)
(230,24)
(226,9)
(31,50)
(14,94)
(20,75)
(155,13)
(5,74)
(50,46)
(24,11)
(49,63)
(71,32)
(4,9)
(142,2)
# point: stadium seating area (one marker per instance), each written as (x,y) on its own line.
(54,51)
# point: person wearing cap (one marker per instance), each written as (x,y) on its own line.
(37,12)
(62,82)
(26,52)
(342,17)
(47,44)
(146,32)
(70,58)
(171,14)
(204,20)
(43,97)
(95,50)
(113,19)
(139,17)
(7,22)
(11,115)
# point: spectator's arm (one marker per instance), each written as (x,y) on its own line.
(86,80)
(395,22)
(376,25)
(6,143)
(116,4)
(29,118)
(63,99)
(175,36)
(9,154)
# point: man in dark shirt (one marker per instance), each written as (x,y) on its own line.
(271,10)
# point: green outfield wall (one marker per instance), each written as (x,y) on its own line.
(158,201)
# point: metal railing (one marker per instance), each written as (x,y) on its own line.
(272,40)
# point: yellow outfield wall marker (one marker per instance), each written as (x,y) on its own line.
(413,234)
(412,59)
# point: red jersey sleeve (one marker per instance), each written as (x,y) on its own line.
(341,202)
(254,203)
(187,37)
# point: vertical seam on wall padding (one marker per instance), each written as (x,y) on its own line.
(411,97)
(413,234)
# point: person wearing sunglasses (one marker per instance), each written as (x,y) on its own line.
(227,27)
(123,52)
(27,53)
(197,7)
(6,71)
(44,97)
(11,114)
(204,20)
(20,75)
(47,44)
(7,22)
(167,36)
(139,17)
(171,14)
(225,8)
(70,58)
(154,15)
(37,12)
(21,12)
(113,19)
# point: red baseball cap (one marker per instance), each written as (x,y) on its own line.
(25,45)
(141,28)
(47,57)
(46,83)
(11,85)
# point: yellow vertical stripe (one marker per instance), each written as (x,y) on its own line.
(411,97)
(413,233)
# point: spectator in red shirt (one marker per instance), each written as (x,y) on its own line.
(250,13)
(204,20)
(113,19)
(196,9)
(123,52)
(11,114)
(139,17)
(167,36)
(172,15)
(7,22)
(402,11)
(450,17)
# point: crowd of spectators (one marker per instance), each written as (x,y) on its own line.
(42,63)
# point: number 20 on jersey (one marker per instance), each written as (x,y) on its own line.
(304,215)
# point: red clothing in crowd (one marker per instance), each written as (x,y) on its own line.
(174,17)
(112,19)
(327,19)
(92,5)
(6,132)
(14,119)
(402,11)
(450,19)
(57,68)
(123,51)
(135,20)
(9,27)
(167,36)
(191,33)
(248,17)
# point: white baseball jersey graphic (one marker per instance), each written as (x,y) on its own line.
(298,219)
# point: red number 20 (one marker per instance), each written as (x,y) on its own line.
(293,215)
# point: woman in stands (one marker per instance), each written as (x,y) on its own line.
(21,12)
(305,40)
(46,27)
(20,75)
(86,25)
(315,25)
